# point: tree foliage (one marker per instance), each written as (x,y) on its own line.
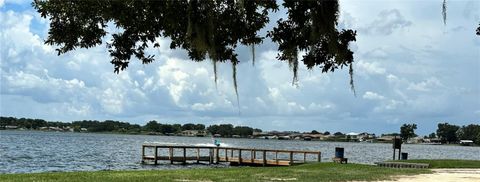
(447,132)
(470,132)
(407,131)
(478,30)
(205,29)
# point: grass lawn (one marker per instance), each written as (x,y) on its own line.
(305,172)
(448,163)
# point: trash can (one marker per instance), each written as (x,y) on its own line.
(339,152)
(404,156)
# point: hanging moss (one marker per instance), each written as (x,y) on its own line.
(444,11)
(253,54)
(350,72)
(234,75)
(215,72)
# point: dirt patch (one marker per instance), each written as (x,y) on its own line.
(444,175)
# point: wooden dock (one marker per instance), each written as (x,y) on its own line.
(231,155)
(402,165)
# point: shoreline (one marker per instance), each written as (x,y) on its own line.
(146,134)
(306,172)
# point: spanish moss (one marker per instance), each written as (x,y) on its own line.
(234,75)
(444,12)
(253,54)
(352,86)
(215,72)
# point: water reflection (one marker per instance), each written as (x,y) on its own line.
(26,151)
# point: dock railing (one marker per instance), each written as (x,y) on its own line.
(232,155)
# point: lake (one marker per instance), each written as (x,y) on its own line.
(35,151)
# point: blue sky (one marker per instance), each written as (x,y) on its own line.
(409,68)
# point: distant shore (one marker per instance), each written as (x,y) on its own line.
(441,170)
(150,134)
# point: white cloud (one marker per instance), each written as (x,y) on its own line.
(372,96)
(112,101)
(387,22)
(427,85)
(203,107)
(369,68)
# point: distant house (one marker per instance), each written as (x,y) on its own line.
(284,137)
(352,136)
(194,133)
(415,140)
(365,136)
(11,127)
(309,136)
(387,138)
(83,129)
(466,142)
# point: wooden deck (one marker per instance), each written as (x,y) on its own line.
(231,155)
(402,165)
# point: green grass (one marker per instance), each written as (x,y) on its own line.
(448,163)
(305,172)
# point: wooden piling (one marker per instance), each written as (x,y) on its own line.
(251,156)
(291,157)
(155,156)
(239,156)
(217,155)
(170,153)
(304,157)
(143,154)
(184,155)
(198,155)
(226,154)
(264,158)
(276,156)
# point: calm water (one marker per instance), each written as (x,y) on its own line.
(28,151)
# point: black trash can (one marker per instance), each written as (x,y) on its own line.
(404,156)
(339,152)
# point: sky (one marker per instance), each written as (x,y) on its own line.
(409,68)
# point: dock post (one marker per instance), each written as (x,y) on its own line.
(319,157)
(251,156)
(231,153)
(276,156)
(210,155)
(198,155)
(217,155)
(239,156)
(304,157)
(291,157)
(264,162)
(143,154)
(170,155)
(184,155)
(226,155)
(155,155)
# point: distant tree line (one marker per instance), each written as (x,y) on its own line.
(225,130)
(447,133)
